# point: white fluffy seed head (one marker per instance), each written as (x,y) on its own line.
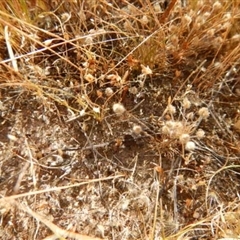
(203,112)
(200,134)
(227,16)
(173,128)
(118,108)
(171,124)
(179,128)
(144,20)
(165,130)
(137,129)
(157,7)
(108,91)
(184,138)
(217,5)
(190,146)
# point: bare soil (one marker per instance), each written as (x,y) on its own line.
(162,190)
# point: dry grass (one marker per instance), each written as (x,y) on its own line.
(119,119)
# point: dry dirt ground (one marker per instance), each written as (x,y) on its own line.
(95,142)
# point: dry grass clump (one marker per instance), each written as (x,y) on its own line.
(119,119)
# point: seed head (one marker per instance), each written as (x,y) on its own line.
(217,5)
(184,138)
(137,129)
(12,137)
(118,108)
(174,40)
(200,134)
(190,146)
(108,91)
(227,16)
(165,130)
(203,112)
(173,128)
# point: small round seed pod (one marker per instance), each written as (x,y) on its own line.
(137,129)
(190,146)
(118,108)
(184,138)
(203,112)
(108,91)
